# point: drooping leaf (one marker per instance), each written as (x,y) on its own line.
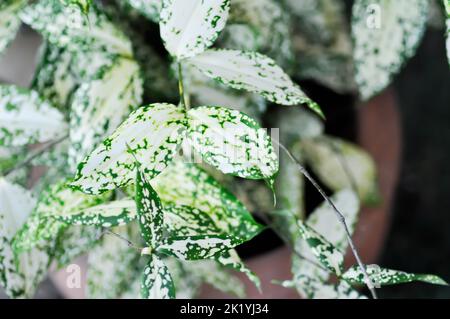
(111,265)
(327,254)
(342,165)
(187,185)
(386,35)
(254,72)
(19,273)
(9,21)
(156,280)
(383,277)
(149,211)
(149,8)
(100,105)
(190,27)
(232,142)
(153,134)
(25,118)
(197,247)
(69,27)
(231,260)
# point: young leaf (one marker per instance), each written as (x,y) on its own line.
(149,8)
(197,247)
(25,118)
(149,211)
(190,27)
(252,72)
(153,134)
(232,142)
(342,165)
(69,27)
(386,34)
(187,185)
(328,255)
(100,105)
(19,273)
(156,280)
(383,277)
(9,21)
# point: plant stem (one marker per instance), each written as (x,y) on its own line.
(129,242)
(339,215)
(183,98)
(39,151)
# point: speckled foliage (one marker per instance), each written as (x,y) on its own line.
(123,183)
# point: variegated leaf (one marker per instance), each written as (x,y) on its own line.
(9,21)
(386,35)
(327,254)
(156,280)
(190,27)
(69,27)
(25,118)
(149,211)
(187,282)
(197,247)
(153,134)
(232,142)
(252,72)
(19,273)
(187,185)
(342,165)
(231,260)
(83,5)
(110,265)
(383,277)
(149,8)
(188,221)
(100,105)
(447,9)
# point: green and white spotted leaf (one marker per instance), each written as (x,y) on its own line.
(187,282)
(153,134)
(447,10)
(149,8)
(149,211)
(386,35)
(19,273)
(188,221)
(232,142)
(327,254)
(101,105)
(69,27)
(253,72)
(25,118)
(112,214)
(231,260)
(9,21)
(197,247)
(156,280)
(188,185)
(190,27)
(383,277)
(110,265)
(342,165)
(83,5)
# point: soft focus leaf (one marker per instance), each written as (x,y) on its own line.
(156,280)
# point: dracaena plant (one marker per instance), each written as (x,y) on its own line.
(117,185)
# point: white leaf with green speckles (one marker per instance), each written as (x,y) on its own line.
(149,8)
(83,5)
(231,260)
(253,72)
(342,165)
(149,211)
(110,265)
(232,142)
(190,27)
(327,254)
(383,277)
(156,280)
(153,134)
(25,118)
(69,27)
(386,35)
(188,185)
(100,106)
(447,9)
(197,247)
(19,273)
(9,21)
(187,221)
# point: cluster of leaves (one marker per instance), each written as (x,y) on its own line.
(84,110)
